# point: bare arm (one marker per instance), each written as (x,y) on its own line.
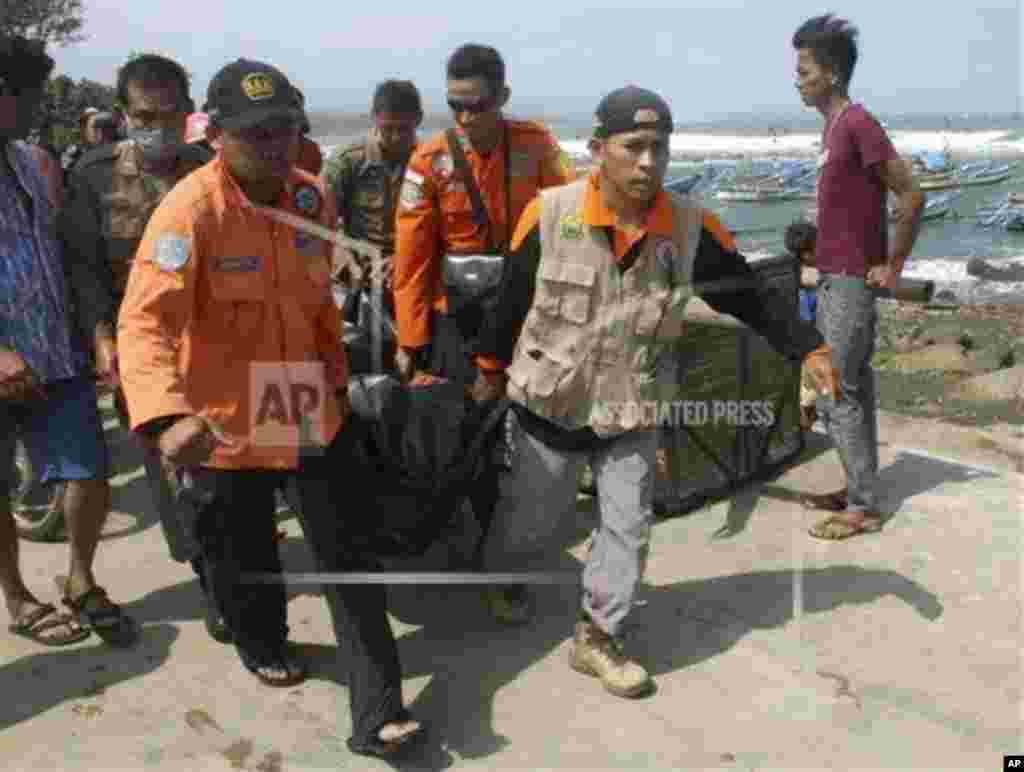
(898,179)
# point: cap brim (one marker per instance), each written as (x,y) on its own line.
(255,117)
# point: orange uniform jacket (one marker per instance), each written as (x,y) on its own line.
(435,215)
(229,314)
(311,159)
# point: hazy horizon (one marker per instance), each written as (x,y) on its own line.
(708,59)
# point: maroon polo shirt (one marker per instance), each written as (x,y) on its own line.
(852,222)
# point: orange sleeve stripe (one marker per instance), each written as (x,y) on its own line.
(490,364)
(527,222)
(722,235)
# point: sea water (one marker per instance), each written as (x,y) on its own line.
(943,247)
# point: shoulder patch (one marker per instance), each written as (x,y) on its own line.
(307,200)
(412,189)
(172,252)
(442,164)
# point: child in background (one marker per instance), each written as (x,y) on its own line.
(801,237)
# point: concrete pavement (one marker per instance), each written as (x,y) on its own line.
(771,650)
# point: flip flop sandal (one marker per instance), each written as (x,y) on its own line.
(94,610)
(837,528)
(831,502)
(33,625)
(380,749)
(279,661)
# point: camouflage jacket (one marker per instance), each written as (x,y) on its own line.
(366,188)
(109,201)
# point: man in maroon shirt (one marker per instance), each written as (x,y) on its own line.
(857,167)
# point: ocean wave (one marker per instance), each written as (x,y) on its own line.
(951,275)
(802,145)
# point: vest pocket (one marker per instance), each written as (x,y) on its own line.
(538,374)
(565,290)
(649,316)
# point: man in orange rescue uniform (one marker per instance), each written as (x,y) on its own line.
(463,191)
(446,212)
(232,362)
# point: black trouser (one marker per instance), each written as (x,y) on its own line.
(175,524)
(236,530)
(454,344)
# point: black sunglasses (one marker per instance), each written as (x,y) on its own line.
(471,105)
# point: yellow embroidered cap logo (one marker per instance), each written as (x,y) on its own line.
(258,86)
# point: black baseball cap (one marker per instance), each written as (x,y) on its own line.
(245,93)
(630,109)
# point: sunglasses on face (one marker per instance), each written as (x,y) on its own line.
(475,106)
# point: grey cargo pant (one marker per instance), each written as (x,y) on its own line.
(847,318)
(538,496)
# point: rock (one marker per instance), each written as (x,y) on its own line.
(983,270)
(1001,385)
(945,356)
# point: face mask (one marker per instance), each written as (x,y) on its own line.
(156,144)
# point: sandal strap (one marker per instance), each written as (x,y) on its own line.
(30,621)
(96,605)
(61,620)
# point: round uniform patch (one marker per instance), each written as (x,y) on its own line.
(172,252)
(307,200)
(443,165)
(411,195)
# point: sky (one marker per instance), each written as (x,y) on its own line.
(708,59)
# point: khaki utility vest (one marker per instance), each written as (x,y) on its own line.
(596,347)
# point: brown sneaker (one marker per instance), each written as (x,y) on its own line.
(595,653)
(510,604)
